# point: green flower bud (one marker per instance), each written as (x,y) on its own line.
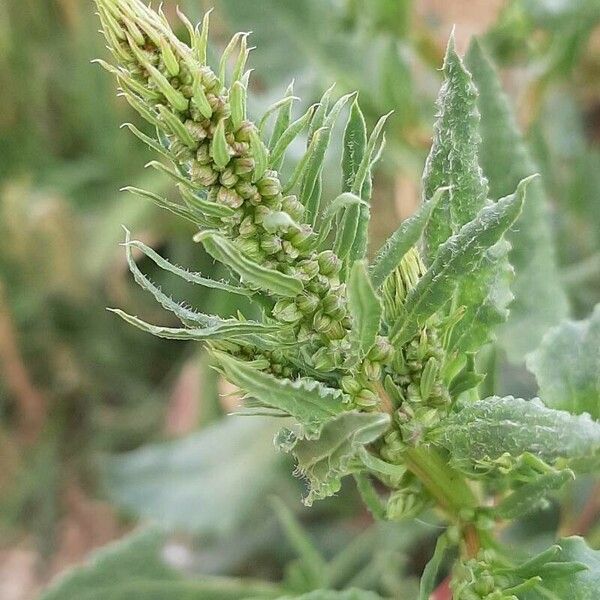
(247,227)
(331,303)
(307,303)
(269,187)
(203,174)
(323,360)
(287,311)
(203,154)
(270,244)
(229,197)
(301,237)
(366,398)
(329,263)
(261,213)
(227,178)
(309,267)
(196,130)
(350,385)
(278,221)
(321,323)
(251,248)
(243,133)
(208,78)
(319,285)
(293,207)
(381,351)
(336,331)
(245,189)
(243,166)
(290,250)
(372,370)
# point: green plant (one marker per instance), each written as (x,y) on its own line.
(372,364)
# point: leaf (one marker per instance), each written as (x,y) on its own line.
(334,208)
(582,584)
(457,258)
(224,251)
(484,430)
(354,145)
(326,459)
(540,300)
(311,403)
(284,116)
(567,366)
(453,160)
(430,573)
(183,483)
(365,310)
(402,240)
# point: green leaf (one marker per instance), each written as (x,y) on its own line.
(333,210)
(567,366)
(402,240)
(354,145)
(430,573)
(529,496)
(325,460)
(288,136)
(186,275)
(350,594)
(453,160)
(311,403)
(540,300)
(485,430)
(264,278)
(182,483)
(365,309)
(575,584)
(459,257)
(284,116)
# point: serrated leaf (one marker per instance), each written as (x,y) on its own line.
(453,160)
(311,403)
(182,483)
(326,459)
(540,300)
(365,309)
(579,584)
(567,366)
(484,430)
(402,240)
(529,496)
(460,256)
(264,278)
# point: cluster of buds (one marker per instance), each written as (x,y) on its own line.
(220,157)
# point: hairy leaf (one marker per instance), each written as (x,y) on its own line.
(430,573)
(365,309)
(325,460)
(540,300)
(183,484)
(458,257)
(567,366)
(453,161)
(224,251)
(311,403)
(486,429)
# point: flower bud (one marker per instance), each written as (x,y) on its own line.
(270,244)
(321,323)
(250,247)
(381,351)
(290,251)
(336,331)
(244,131)
(269,187)
(372,370)
(243,166)
(287,311)
(307,303)
(331,303)
(196,130)
(203,154)
(203,174)
(227,178)
(310,268)
(350,385)
(229,197)
(301,237)
(293,207)
(261,213)
(329,263)
(247,227)
(245,189)
(323,360)
(366,398)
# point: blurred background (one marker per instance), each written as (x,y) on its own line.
(103,427)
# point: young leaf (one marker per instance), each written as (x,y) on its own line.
(567,366)
(224,251)
(354,146)
(540,300)
(402,240)
(484,430)
(430,573)
(325,460)
(457,258)
(310,402)
(365,309)
(288,135)
(452,160)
